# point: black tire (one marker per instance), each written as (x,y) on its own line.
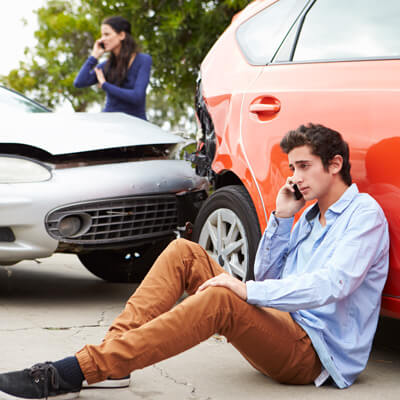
(230,211)
(126,266)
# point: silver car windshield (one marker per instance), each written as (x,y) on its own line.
(12,102)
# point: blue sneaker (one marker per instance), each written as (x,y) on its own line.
(42,381)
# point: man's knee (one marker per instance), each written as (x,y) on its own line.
(220,297)
(183,246)
(175,245)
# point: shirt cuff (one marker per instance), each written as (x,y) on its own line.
(254,294)
(93,60)
(279,226)
(105,85)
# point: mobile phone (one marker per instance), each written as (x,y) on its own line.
(102,45)
(297,193)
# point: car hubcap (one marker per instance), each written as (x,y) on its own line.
(224,238)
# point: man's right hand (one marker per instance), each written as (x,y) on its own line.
(286,204)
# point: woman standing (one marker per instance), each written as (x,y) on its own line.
(125,75)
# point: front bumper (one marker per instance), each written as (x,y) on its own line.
(24,207)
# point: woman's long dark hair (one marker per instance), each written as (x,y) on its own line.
(117,66)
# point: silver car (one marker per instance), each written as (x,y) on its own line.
(103,186)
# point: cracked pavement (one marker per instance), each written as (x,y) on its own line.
(50,309)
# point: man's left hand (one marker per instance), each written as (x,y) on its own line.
(228,281)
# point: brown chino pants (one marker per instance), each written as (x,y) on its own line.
(151,328)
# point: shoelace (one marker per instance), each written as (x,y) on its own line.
(45,372)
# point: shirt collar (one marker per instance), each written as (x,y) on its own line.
(339,206)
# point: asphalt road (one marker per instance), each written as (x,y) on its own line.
(50,309)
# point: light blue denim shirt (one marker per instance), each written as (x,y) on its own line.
(335,296)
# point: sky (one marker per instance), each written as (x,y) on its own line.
(14,36)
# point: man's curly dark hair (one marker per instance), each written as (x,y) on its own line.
(324,143)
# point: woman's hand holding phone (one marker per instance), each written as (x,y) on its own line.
(98,49)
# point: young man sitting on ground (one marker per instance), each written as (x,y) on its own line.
(310,314)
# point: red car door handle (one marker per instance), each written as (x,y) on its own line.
(259,108)
(265,108)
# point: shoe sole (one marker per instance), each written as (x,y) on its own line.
(65,396)
(108,384)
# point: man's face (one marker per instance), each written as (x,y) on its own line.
(313,181)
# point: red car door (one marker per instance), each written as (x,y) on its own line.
(348,81)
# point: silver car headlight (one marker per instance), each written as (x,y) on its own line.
(14,169)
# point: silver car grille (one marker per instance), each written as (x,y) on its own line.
(117,220)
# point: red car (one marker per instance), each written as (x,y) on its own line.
(285,63)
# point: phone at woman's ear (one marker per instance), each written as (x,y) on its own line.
(102,45)
(297,193)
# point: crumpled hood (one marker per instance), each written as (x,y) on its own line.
(59,133)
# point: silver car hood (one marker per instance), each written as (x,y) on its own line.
(59,133)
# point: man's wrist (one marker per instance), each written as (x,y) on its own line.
(280,214)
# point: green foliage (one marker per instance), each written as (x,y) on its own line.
(178,34)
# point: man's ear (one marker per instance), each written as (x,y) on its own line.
(335,165)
